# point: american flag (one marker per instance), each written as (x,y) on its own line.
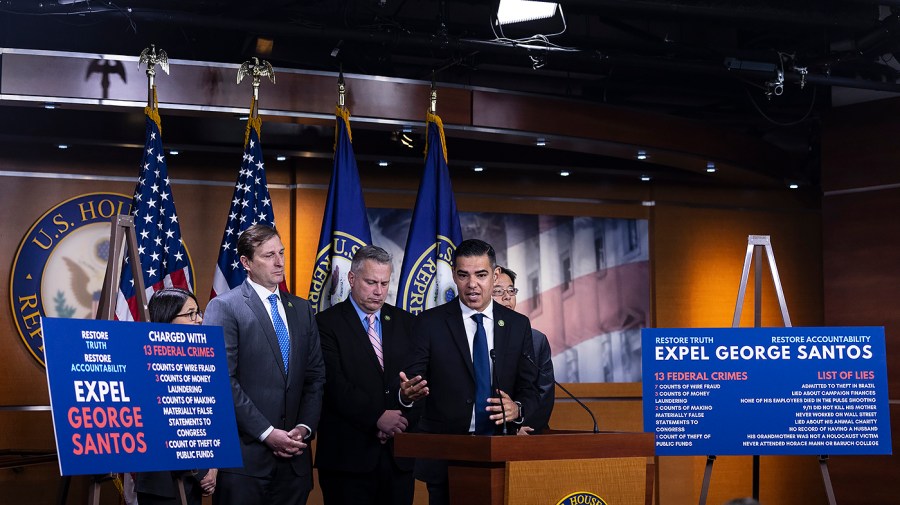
(250,205)
(164,259)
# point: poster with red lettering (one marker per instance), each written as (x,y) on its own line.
(139,397)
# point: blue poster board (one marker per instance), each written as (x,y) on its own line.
(139,397)
(766,391)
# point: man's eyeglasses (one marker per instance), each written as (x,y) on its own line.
(193,315)
(511,291)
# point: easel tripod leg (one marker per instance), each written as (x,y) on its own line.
(826,478)
(707,476)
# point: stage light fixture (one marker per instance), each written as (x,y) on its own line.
(645,178)
(642,155)
(710,167)
(564,173)
(478,168)
(337,49)
(173,152)
(63,146)
(793,185)
(264,46)
(519,11)
(540,142)
(280,158)
(383,163)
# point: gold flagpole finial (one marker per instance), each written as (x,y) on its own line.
(151,57)
(433,95)
(342,88)
(257,69)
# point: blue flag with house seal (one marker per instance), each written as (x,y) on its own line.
(345,227)
(426,277)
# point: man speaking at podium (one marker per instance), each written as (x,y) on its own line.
(466,391)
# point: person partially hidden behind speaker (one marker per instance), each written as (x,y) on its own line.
(452,370)
(177,306)
(504,293)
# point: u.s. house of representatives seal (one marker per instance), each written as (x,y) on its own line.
(581,498)
(430,282)
(330,285)
(59,267)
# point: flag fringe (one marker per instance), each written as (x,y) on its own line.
(152,111)
(343,113)
(252,122)
(434,118)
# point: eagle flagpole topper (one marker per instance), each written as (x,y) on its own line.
(257,69)
(152,58)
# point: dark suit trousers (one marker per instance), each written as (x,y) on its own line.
(386,485)
(283,487)
(192,491)
(438,494)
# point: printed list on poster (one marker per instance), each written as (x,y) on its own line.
(139,397)
(766,391)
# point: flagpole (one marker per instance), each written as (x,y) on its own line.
(342,111)
(342,89)
(433,95)
(432,117)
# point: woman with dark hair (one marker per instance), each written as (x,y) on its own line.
(177,306)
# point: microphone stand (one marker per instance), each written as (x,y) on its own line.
(496,389)
(594,419)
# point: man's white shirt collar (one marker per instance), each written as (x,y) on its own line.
(467,311)
(261,291)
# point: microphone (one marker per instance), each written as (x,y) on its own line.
(596,428)
(497,389)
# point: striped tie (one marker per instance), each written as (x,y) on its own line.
(375,339)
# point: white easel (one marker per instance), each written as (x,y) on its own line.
(755,246)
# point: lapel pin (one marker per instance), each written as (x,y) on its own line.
(290,304)
(501,323)
(387,317)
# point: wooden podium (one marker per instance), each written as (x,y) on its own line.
(540,469)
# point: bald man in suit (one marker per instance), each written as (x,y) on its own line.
(365,343)
(277,376)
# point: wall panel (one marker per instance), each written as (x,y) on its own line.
(861,254)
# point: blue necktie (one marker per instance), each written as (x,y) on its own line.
(482,364)
(281,331)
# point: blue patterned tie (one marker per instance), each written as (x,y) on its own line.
(281,331)
(482,364)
